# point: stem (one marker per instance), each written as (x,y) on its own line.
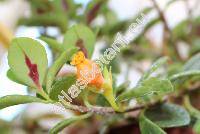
(85,98)
(44,94)
(162,17)
(108,94)
(110,110)
(167,33)
(166,28)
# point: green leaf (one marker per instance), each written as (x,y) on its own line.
(28,61)
(122,87)
(156,65)
(148,88)
(174,69)
(110,18)
(12,77)
(53,44)
(47,19)
(195,48)
(168,115)
(60,126)
(61,84)
(191,68)
(108,89)
(148,127)
(196,127)
(82,37)
(101,101)
(11,100)
(180,31)
(115,66)
(71,6)
(193,63)
(53,70)
(85,97)
(109,121)
(193,111)
(184,74)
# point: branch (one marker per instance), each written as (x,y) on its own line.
(167,32)
(93,109)
(162,17)
(110,110)
(104,110)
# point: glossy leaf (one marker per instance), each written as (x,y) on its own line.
(80,36)
(67,122)
(11,100)
(28,61)
(168,115)
(148,127)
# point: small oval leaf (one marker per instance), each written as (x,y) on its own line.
(193,63)
(148,88)
(148,127)
(61,84)
(12,77)
(60,126)
(191,68)
(28,61)
(11,100)
(168,115)
(53,44)
(80,36)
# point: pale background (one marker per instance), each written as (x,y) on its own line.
(11,10)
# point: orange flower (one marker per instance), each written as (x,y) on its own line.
(88,70)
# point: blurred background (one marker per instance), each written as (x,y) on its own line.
(13,23)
